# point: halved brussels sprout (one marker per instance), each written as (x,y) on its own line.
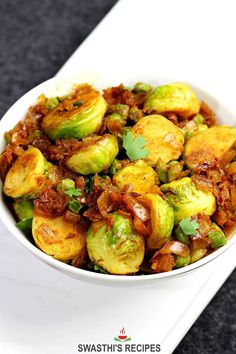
(209,146)
(118,250)
(187,200)
(162,219)
(96,157)
(27,174)
(176,97)
(138,174)
(57,238)
(76,117)
(164,140)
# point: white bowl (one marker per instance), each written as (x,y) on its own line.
(59,86)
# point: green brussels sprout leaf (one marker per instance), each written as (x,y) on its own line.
(189,227)
(135,147)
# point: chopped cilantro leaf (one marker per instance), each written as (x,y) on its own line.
(73,192)
(189,227)
(135,146)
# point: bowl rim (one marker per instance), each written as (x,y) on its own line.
(8,220)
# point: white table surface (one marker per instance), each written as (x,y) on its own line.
(44,311)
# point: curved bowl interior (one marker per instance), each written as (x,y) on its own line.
(60,86)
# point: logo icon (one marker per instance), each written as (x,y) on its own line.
(122,336)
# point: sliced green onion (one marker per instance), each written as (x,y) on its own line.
(52,102)
(218,238)
(182,261)
(67,184)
